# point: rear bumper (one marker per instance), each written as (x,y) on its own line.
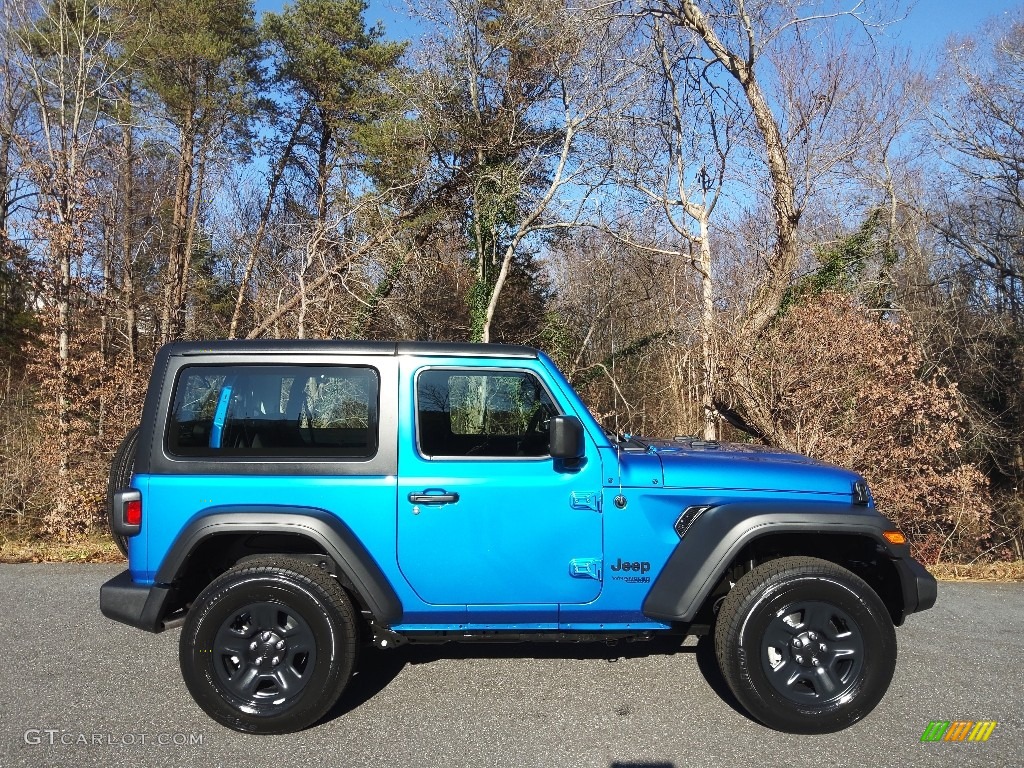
(919,586)
(138,605)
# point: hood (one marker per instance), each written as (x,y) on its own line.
(739,466)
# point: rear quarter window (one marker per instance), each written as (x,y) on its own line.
(268,411)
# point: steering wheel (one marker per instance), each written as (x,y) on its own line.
(536,433)
(539,422)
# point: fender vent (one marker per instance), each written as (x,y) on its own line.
(690,514)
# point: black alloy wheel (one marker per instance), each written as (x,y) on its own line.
(264,653)
(812,652)
(269,645)
(805,645)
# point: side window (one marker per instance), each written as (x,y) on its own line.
(274,412)
(482,413)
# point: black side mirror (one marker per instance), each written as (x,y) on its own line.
(566,438)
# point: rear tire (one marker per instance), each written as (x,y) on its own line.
(121,469)
(269,645)
(805,645)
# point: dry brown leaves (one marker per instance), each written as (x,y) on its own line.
(839,383)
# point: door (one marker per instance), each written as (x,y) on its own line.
(485,516)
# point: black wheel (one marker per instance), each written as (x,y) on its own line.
(805,645)
(269,645)
(120,476)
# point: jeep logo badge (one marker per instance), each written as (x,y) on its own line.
(640,566)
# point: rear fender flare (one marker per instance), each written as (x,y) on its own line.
(327,531)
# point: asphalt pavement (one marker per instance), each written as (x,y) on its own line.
(81,690)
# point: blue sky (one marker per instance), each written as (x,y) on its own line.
(930,22)
(925,29)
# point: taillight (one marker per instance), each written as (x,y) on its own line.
(126,517)
(133,512)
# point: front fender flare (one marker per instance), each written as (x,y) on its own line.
(715,538)
(328,531)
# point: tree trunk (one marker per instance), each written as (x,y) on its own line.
(275,179)
(63,512)
(323,172)
(5,182)
(499,283)
(765,303)
(181,297)
(128,292)
(707,338)
(179,222)
(106,291)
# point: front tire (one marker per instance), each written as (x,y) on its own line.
(269,645)
(805,645)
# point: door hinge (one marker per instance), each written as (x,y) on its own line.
(585,500)
(585,568)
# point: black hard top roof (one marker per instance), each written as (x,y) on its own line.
(331,346)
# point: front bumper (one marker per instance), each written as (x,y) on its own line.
(138,605)
(919,586)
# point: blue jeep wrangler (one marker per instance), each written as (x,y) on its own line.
(286,502)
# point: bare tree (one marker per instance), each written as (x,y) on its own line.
(670,156)
(277,172)
(608,332)
(14,102)
(198,62)
(976,316)
(757,43)
(521,85)
(63,55)
(980,122)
